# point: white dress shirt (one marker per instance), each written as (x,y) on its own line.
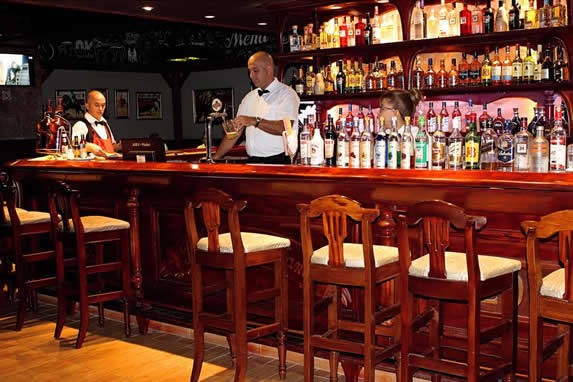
(80,128)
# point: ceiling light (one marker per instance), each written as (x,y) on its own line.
(185,59)
(209,17)
(148,8)
(336,7)
(262,24)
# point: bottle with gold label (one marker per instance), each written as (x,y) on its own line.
(472,147)
(486,70)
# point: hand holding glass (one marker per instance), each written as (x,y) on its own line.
(231,129)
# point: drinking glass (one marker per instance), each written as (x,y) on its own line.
(570,157)
(231,129)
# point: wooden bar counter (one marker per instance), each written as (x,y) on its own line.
(151,195)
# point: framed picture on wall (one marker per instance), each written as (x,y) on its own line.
(121,103)
(73,103)
(202,99)
(149,105)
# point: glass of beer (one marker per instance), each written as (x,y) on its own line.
(231,130)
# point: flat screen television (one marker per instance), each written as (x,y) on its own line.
(143,149)
(16,69)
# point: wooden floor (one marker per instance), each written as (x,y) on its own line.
(33,355)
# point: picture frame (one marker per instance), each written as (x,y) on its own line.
(149,105)
(202,99)
(121,98)
(73,103)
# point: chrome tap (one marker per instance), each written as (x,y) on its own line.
(213,117)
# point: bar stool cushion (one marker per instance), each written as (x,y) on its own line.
(98,224)
(554,284)
(456,266)
(252,242)
(19,211)
(30,217)
(354,255)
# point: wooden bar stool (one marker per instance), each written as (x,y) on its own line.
(26,230)
(432,273)
(550,296)
(341,265)
(234,252)
(89,281)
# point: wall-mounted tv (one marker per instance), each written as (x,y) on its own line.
(16,69)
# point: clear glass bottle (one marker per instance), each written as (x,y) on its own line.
(304,143)
(454,20)
(439,141)
(433,27)
(443,24)
(393,145)
(445,119)
(430,76)
(317,146)
(505,148)
(496,69)
(421,148)
(530,21)
(455,149)
(342,148)
(477,19)
(380,146)
(488,154)
(522,147)
(557,144)
(453,79)
(544,15)
(366,146)
(457,117)
(539,152)
(354,153)
(407,145)
(294,39)
(501,20)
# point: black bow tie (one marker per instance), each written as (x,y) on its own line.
(100,123)
(261,92)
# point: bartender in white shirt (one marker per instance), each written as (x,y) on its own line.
(94,127)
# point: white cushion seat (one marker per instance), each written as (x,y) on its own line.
(252,242)
(97,223)
(456,266)
(28,217)
(354,255)
(553,284)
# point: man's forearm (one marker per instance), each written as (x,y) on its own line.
(224,146)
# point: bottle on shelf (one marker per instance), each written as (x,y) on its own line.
(376,28)
(558,14)
(438,150)
(547,67)
(83,147)
(443,24)
(380,146)
(515,121)
(319,83)
(464,70)
(294,39)
(517,67)
(359,29)
(530,21)
(329,143)
(343,32)
(393,82)
(528,67)
(407,146)
(342,148)
(304,143)
(433,27)
(496,69)
(340,84)
(539,152)
(488,155)
(431,119)
(457,117)
(453,79)
(470,115)
(393,145)
(501,19)
(299,83)
(65,145)
(430,76)
(366,145)
(522,147)
(513,16)
(309,81)
(532,127)
(454,20)
(544,15)
(498,122)
(45,137)
(472,147)
(465,20)
(421,148)
(558,144)
(477,19)
(484,119)
(418,76)
(488,18)
(445,120)
(505,148)
(349,121)
(475,71)
(507,68)
(486,68)
(455,149)
(323,37)
(368,31)
(442,75)
(351,31)
(560,67)
(354,153)
(539,64)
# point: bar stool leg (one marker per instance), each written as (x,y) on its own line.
(20,282)
(62,301)
(83,297)
(240,300)
(281,314)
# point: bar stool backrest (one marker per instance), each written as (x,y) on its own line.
(8,199)
(212,203)
(64,209)
(432,221)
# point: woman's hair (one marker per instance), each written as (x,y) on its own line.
(405,101)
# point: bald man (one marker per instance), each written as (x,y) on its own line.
(94,127)
(261,114)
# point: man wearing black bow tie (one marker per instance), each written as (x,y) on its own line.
(94,127)
(261,114)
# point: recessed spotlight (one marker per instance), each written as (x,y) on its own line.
(147,8)
(336,7)
(262,24)
(209,17)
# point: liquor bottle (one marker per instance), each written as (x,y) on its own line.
(340,80)
(340,122)
(400,82)
(507,68)
(417,23)
(329,143)
(304,143)
(433,27)
(366,146)
(383,80)
(442,75)
(465,20)
(488,18)
(496,69)
(457,117)
(486,68)
(309,81)
(76,147)
(530,21)
(517,67)
(454,20)
(83,147)
(539,64)
(317,146)
(407,146)
(558,14)
(558,144)
(393,145)
(431,119)
(543,121)
(488,155)
(560,67)
(528,67)
(522,147)
(470,115)
(501,20)
(464,71)
(505,148)
(350,78)
(376,34)
(515,123)
(445,120)
(532,127)
(294,39)
(65,145)
(371,118)
(328,80)
(498,122)
(299,84)
(380,147)
(472,148)
(475,71)
(453,79)
(349,121)
(359,73)
(323,38)
(484,118)
(343,32)
(361,118)
(369,82)
(513,16)
(547,67)
(438,150)
(354,152)
(443,24)
(342,148)
(392,76)
(455,147)
(539,152)
(351,31)
(430,76)
(319,83)
(336,34)
(359,32)
(418,77)
(368,30)
(421,148)
(477,19)
(544,15)
(59,125)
